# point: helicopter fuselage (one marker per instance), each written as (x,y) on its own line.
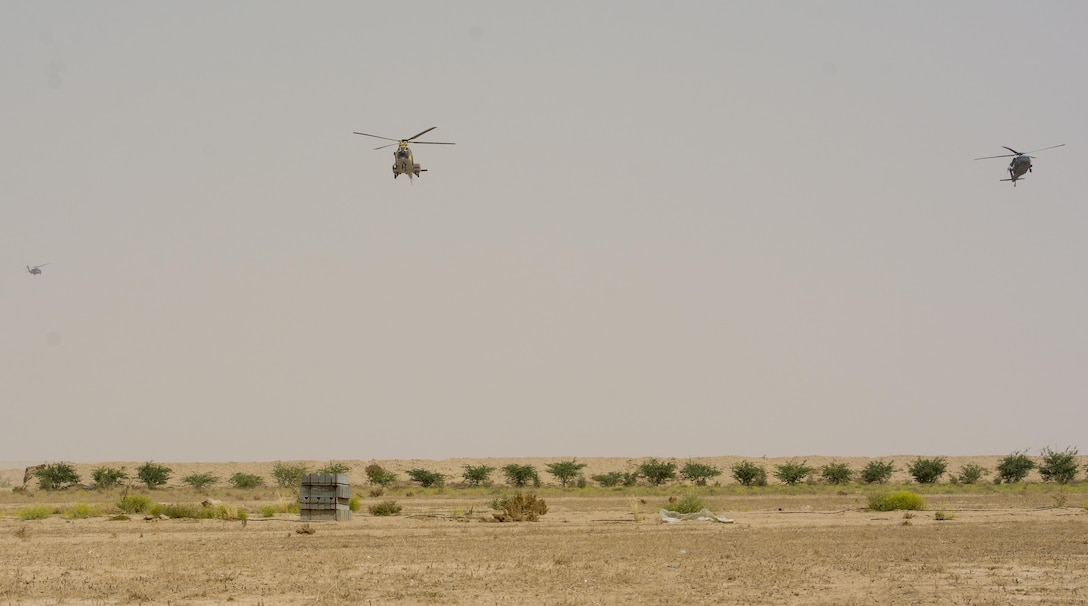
(403,163)
(1019,165)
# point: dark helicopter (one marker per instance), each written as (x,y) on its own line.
(1021,162)
(36,270)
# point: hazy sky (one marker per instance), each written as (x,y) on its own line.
(667,229)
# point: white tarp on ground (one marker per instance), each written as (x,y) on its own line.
(705,514)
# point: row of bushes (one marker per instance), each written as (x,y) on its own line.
(57,476)
(1055,466)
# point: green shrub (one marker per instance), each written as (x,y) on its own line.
(108,477)
(927,471)
(689,503)
(153,474)
(699,473)
(355,503)
(245,480)
(1014,468)
(35,512)
(426,478)
(200,481)
(478,475)
(877,472)
(748,473)
(971,473)
(335,467)
(82,511)
(379,476)
(892,501)
(269,511)
(657,472)
(288,475)
(565,471)
(791,472)
(519,508)
(521,475)
(609,480)
(194,511)
(1060,467)
(135,503)
(384,508)
(54,476)
(836,473)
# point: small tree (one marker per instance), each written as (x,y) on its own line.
(609,480)
(749,474)
(380,476)
(427,479)
(54,476)
(657,472)
(699,473)
(245,480)
(971,473)
(478,475)
(927,471)
(877,472)
(1014,467)
(836,473)
(792,472)
(565,471)
(200,481)
(1060,467)
(521,475)
(108,477)
(153,474)
(288,475)
(335,467)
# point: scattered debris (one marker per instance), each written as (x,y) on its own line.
(305,529)
(705,514)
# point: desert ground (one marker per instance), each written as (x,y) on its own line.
(807,544)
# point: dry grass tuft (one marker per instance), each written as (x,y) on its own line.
(520,508)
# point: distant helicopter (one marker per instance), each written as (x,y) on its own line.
(36,270)
(403,164)
(1021,162)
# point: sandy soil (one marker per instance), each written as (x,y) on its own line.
(808,545)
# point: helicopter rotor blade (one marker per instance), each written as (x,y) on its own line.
(376,136)
(431,143)
(385,146)
(422,133)
(1044,149)
(1004,156)
(1012,150)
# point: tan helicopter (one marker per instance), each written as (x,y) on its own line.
(403,164)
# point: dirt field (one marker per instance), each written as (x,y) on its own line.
(799,546)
